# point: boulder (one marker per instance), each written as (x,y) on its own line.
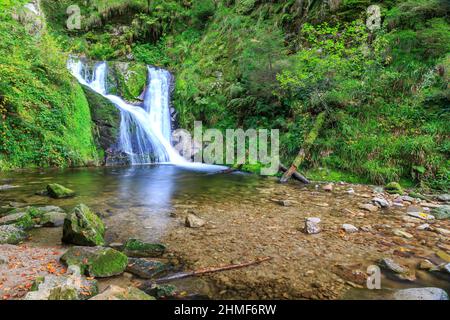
(444,197)
(72,287)
(12,217)
(83,227)
(421,294)
(58,191)
(442,212)
(312,225)
(96,261)
(11,234)
(394,188)
(192,221)
(145,268)
(139,249)
(118,293)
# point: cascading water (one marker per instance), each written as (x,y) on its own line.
(145,132)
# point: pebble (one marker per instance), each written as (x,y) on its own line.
(383,203)
(402,233)
(349,228)
(312,225)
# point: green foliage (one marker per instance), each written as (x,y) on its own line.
(44,116)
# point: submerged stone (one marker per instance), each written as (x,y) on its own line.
(96,261)
(145,268)
(442,212)
(139,249)
(83,227)
(11,234)
(118,293)
(421,294)
(159,291)
(58,191)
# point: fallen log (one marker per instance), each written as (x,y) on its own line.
(196,273)
(307,144)
(296,175)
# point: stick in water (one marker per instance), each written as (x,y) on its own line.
(199,272)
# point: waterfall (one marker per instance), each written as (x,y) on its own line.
(145,132)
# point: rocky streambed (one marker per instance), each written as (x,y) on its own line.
(321,241)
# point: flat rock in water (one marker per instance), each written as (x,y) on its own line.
(192,221)
(349,228)
(401,233)
(391,265)
(12,218)
(139,249)
(421,294)
(368,207)
(118,293)
(145,268)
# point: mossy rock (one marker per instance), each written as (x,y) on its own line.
(83,227)
(127,79)
(139,249)
(58,191)
(11,234)
(146,268)
(96,261)
(441,213)
(117,293)
(394,188)
(161,291)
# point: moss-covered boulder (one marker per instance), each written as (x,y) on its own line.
(117,293)
(96,261)
(139,249)
(11,234)
(394,188)
(58,191)
(72,287)
(127,79)
(442,212)
(83,227)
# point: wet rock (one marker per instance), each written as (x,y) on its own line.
(403,234)
(383,203)
(12,218)
(407,199)
(444,197)
(83,227)
(426,265)
(118,293)
(3,259)
(312,225)
(10,234)
(421,294)
(398,204)
(368,207)
(192,221)
(139,249)
(145,268)
(445,268)
(158,291)
(442,212)
(420,215)
(96,261)
(52,219)
(424,227)
(72,287)
(394,188)
(328,187)
(349,228)
(58,191)
(391,265)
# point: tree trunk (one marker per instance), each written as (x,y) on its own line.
(310,139)
(296,175)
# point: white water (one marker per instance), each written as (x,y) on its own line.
(144,132)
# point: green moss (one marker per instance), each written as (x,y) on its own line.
(138,248)
(58,191)
(394,188)
(83,227)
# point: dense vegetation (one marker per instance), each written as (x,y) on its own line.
(44,115)
(278,64)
